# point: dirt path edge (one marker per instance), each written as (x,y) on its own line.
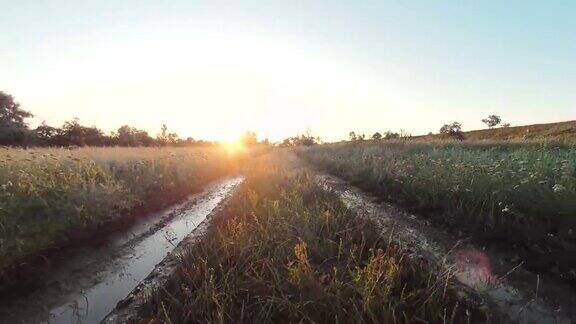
(510,289)
(128,309)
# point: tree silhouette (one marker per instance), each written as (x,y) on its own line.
(306,139)
(73,133)
(131,136)
(166,138)
(13,128)
(46,135)
(352,136)
(453,130)
(376,136)
(492,121)
(389,135)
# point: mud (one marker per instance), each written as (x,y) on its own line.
(515,293)
(90,282)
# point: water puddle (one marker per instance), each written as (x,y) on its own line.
(129,258)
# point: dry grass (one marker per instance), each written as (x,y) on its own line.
(558,131)
(284,250)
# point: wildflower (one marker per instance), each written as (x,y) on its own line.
(558,188)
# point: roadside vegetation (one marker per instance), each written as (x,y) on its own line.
(514,192)
(50,197)
(285,250)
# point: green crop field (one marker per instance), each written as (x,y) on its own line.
(521,192)
(48,196)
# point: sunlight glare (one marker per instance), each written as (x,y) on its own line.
(233,146)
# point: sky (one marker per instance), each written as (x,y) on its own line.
(213,69)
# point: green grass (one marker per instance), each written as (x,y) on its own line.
(50,196)
(520,192)
(284,250)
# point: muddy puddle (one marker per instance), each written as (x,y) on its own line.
(516,294)
(89,283)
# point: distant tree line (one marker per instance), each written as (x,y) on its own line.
(306,139)
(388,135)
(14,131)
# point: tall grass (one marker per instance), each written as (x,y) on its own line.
(286,251)
(48,195)
(518,191)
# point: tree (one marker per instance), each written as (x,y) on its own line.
(376,136)
(125,136)
(13,128)
(506,125)
(492,120)
(453,130)
(73,133)
(306,139)
(131,136)
(404,134)
(389,135)
(352,136)
(166,138)
(93,136)
(46,135)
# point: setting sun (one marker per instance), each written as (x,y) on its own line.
(233,146)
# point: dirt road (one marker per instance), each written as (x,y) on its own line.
(518,295)
(89,283)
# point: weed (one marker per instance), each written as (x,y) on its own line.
(285,250)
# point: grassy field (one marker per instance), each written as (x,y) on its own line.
(50,196)
(518,192)
(284,250)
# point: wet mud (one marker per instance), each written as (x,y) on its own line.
(92,280)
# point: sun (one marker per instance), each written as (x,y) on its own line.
(233,145)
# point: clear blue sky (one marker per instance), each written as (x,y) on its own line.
(211,69)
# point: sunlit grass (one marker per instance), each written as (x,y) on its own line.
(50,195)
(518,191)
(284,250)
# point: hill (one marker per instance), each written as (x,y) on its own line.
(561,130)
